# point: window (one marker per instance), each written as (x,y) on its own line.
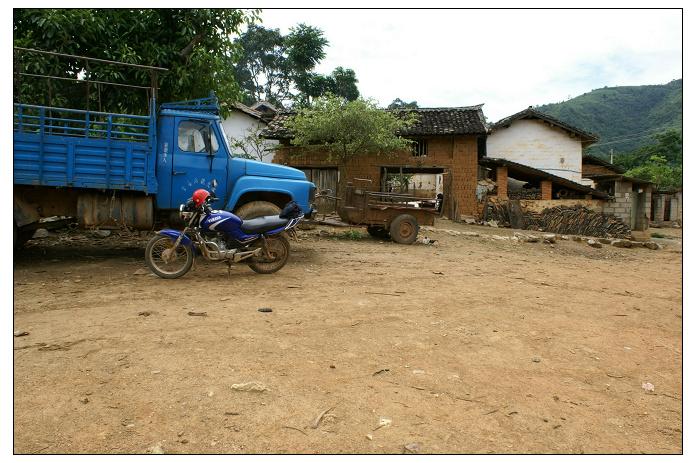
(420,148)
(193,137)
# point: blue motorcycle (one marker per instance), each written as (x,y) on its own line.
(222,236)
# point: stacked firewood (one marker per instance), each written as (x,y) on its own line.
(565,220)
(579,220)
(525,193)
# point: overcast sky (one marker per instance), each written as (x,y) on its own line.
(506,59)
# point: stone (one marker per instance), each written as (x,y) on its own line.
(252,386)
(651,245)
(413,447)
(101,233)
(549,238)
(492,223)
(156,449)
(468,233)
(467,219)
(536,359)
(526,238)
(577,238)
(500,238)
(564,237)
(604,240)
(40,233)
(622,243)
(594,244)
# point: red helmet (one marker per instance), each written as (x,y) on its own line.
(199,196)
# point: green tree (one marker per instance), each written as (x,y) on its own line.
(398,103)
(667,144)
(194,44)
(344,129)
(280,69)
(658,171)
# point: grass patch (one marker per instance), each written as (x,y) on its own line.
(352,235)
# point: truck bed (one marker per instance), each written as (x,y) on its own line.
(61,147)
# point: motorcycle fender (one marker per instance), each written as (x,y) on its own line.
(174,234)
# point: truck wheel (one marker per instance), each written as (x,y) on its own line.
(378,232)
(404,229)
(257,209)
(20,237)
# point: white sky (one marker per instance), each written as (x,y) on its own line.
(507,59)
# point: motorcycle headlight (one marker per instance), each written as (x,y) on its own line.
(185,215)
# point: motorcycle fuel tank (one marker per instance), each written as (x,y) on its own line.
(222,221)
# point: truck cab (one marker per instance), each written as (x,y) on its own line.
(193,150)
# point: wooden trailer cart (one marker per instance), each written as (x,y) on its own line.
(387,215)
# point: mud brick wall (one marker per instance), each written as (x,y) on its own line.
(458,155)
(592,169)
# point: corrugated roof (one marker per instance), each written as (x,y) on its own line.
(466,120)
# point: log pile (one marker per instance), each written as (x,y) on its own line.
(565,220)
(525,193)
(579,220)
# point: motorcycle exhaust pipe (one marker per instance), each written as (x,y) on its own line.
(240,256)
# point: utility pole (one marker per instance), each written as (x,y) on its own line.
(611,156)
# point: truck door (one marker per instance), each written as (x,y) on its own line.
(198,158)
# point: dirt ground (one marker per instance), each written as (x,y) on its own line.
(472,345)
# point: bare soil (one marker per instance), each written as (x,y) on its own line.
(472,345)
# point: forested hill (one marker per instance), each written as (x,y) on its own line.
(625,118)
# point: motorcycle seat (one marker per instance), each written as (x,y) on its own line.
(263,224)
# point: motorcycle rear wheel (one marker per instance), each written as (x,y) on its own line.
(279,248)
(179,263)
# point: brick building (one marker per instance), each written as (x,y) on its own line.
(448,144)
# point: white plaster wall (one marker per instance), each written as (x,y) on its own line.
(533,143)
(238,123)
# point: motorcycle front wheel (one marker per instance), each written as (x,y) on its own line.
(164,260)
(279,249)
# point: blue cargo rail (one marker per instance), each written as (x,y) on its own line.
(84,149)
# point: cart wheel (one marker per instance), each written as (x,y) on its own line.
(404,229)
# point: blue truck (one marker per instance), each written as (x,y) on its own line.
(110,170)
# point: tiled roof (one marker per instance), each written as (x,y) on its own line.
(587,138)
(467,120)
(527,173)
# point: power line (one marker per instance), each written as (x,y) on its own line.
(622,139)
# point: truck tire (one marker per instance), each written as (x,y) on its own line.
(257,209)
(404,229)
(20,237)
(378,232)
